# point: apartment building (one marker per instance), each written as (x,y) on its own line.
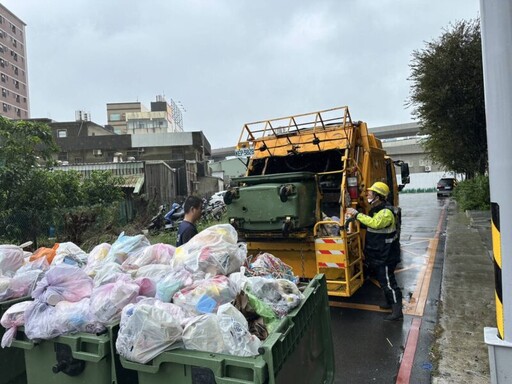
(14,97)
(135,119)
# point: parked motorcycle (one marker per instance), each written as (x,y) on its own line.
(157,222)
(213,210)
(175,216)
(166,220)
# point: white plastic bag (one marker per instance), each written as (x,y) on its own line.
(71,250)
(155,271)
(63,282)
(154,254)
(213,250)
(235,332)
(98,258)
(40,321)
(13,318)
(127,246)
(226,332)
(107,301)
(11,259)
(108,272)
(168,285)
(280,294)
(205,296)
(203,333)
(147,329)
(73,317)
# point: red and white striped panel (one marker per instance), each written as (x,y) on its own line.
(331,265)
(330,252)
(329,241)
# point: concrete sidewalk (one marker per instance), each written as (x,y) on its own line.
(467,300)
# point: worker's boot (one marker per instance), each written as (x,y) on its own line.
(386,304)
(396,313)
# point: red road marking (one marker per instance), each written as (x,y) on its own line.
(404,373)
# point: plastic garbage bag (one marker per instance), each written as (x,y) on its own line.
(13,318)
(205,296)
(47,253)
(73,317)
(21,284)
(280,294)
(97,258)
(70,253)
(40,321)
(107,273)
(235,332)
(5,283)
(127,246)
(213,250)
(225,332)
(11,259)
(155,271)
(203,333)
(267,265)
(63,282)
(148,328)
(168,285)
(147,286)
(154,254)
(108,300)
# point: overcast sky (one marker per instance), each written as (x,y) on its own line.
(229,62)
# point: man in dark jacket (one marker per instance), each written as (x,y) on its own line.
(382,248)
(187,228)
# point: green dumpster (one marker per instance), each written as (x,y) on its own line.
(12,362)
(78,358)
(300,350)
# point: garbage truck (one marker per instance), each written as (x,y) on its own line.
(303,172)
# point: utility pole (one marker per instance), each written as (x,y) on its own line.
(496,22)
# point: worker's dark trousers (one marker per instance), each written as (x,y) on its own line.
(385,275)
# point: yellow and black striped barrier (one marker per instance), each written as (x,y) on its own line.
(496,248)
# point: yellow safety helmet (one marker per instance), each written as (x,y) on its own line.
(380,188)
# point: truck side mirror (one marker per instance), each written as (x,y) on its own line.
(404,167)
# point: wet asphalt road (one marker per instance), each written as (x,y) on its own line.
(370,350)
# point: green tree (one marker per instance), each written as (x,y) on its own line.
(33,196)
(448,99)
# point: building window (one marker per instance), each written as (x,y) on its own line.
(61,133)
(5,107)
(17,98)
(13,29)
(4,78)
(115,117)
(4,92)
(17,84)
(18,112)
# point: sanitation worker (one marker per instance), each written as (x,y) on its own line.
(187,228)
(382,247)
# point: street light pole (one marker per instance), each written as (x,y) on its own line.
(496,22)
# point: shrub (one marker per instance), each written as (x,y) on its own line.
(473,194)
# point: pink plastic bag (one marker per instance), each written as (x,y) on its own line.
(63,282)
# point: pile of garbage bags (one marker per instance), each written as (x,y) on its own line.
(204,295)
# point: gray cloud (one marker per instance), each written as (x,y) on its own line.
(229,61)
